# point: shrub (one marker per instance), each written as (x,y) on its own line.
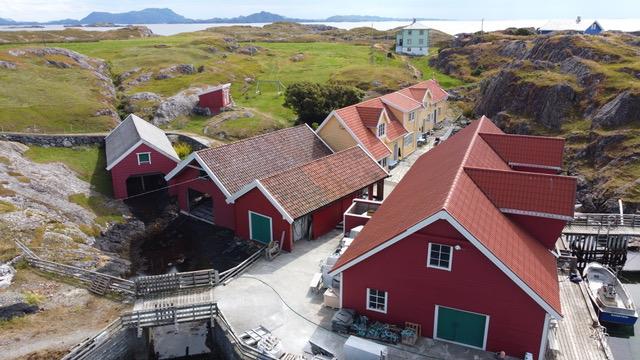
(183,149)
(33,298)
(312,102)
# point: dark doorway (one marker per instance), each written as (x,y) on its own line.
(201,205)
(141,184)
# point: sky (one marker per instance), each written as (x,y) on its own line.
(43,10)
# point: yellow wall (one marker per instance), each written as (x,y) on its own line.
(335,135)
(408,149)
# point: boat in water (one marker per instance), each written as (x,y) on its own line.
(614,304)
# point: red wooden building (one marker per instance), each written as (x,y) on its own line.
(462,245)
(282,186)
(215,99)
(139,155)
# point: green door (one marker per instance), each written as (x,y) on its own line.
(462,327)
(260,227)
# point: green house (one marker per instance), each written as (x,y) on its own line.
(413,39)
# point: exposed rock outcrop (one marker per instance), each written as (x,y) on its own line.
(622,110)
(180,104)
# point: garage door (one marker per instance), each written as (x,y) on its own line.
(462,327)
(259,227)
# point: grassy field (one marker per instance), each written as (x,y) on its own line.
(88,162)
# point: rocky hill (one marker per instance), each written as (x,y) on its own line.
(584,88)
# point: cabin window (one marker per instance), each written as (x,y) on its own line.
(421,33)
(421,41)
(144,158)
(408,140)
(439,256)
(383,162)
(381,129)
(412,116)
(409,49)
(409,32)
(408,41)
(377,300)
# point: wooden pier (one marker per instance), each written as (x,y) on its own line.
(578,335)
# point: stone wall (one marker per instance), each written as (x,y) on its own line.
(54,140)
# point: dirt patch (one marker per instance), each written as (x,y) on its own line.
(67,316)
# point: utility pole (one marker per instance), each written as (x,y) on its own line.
(482,27)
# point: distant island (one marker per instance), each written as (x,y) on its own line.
(168,16)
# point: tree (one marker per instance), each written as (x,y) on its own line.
(312,102)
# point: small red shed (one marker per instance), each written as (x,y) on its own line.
(139,155)
(281,186)
(457,246)
(215,99)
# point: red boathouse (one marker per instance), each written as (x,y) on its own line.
(139,155)
(283,186)
(462,246)
(215,99)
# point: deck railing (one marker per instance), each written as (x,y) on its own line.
(240,268)
(245,351)
(146,285)
(585,219)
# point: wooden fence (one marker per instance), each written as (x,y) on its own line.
(112,343)
(146,285)
(240,268)
(245,351)
(114,284)
(584,219)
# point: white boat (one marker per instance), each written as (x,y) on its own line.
(609,296)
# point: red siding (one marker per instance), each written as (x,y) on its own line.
(352,220)
(214,100)
(326,218)
(256,202)
(127,167)
(223,213)
(473,284)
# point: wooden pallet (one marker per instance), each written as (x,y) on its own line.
(100,285)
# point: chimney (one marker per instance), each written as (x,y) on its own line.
(414,21)
(578,19)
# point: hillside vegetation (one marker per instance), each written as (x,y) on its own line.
(583,88)
(147,72)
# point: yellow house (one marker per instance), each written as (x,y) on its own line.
(388,126)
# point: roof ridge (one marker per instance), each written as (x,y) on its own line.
(465,158)
(135,126)
(412,99)
(253,138)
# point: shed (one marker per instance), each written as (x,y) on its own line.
(139,155)
(213,100)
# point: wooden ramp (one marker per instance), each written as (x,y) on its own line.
(180,298)
(578,335)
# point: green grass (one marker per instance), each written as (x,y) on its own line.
(33,298)
(428,72)
(99,206)
(6,207)
(88,162)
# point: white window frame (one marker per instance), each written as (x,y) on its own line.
(145,162)
(386,300)
(251,223)
(408,41)
(412,116)
(404,140)
(383,162)
(382,129)
(451,248)
(420,41)
(408,49)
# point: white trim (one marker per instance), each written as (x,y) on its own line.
(536,166)
(257,184)
(374,160)
(486,327)
(545,337)
(321,139)
(341,287)
(144,153)
(397,107)
(251,223)
(125,154)
(386,301)
(357,139)
(537,214)
(203,165)
(326,120)
(440,267)
(444,215)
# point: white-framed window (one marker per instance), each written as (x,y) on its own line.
(412,116)
(408,49)
(408,140)
(440,256)
(382,128)
(421,32)
(383,162)
(377,300)
(420,41)
(144,158)
(408,41)
(409,32)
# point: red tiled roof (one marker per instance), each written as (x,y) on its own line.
(400,101)
(530,150)
(239,163)
(369,115)
(310,186)
(437,92)
(438,182)
(369,140)
(526,191)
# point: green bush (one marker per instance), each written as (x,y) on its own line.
(183,149)
(33,298)
(312,102)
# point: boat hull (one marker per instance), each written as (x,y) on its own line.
(612,318)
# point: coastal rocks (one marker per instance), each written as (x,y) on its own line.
(181,104)
(16,310)
(170,72)
(297,57)
(248,50)
(118,237)
(7,65)
(622,110)
(549,105)
(58,64)
(559,48)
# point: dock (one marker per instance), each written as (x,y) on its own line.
(579,334)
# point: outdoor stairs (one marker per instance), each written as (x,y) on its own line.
(100,285)
(202,212)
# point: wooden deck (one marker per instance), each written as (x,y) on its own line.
(576,336)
